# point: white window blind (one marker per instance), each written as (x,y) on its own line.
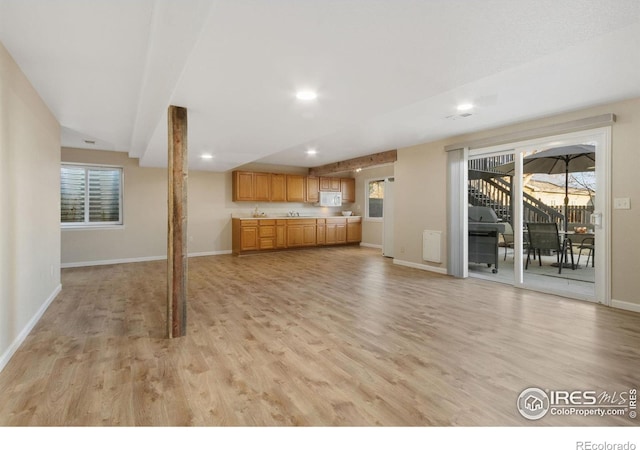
(90,195)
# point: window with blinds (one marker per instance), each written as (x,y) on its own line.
(90,195)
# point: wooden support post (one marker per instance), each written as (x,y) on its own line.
(177,236)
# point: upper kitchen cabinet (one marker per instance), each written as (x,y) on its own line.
(313,188)
(262,186)
(243,190)
(329,184)
(296,188)
(278,187)
(251,186)
(348,188)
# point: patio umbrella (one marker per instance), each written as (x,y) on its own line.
(571,158)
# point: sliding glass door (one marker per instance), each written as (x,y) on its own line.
(536,214)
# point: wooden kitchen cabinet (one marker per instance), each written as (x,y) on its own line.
(261,187)
(329,184)
(320,231)
(348,187)
(313,189)
(243,186)
(244,235)
(354,229)
(266,234)
(251,186)
(296,188)
(336,230)
(278,187)
(281,233)
(301,232)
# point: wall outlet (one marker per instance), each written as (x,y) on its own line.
(401,249)
(622,203)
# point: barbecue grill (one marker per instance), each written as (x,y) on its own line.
(484,228)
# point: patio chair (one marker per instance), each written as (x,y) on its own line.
(587,244)
(507,238)
(545,236)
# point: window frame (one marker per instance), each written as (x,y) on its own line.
(366,198)
(94,225)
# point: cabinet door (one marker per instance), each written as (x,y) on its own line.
(320,232)
(281,241)
(249,238)
(354,232)
(295,235)
(309,235)
(348,187)
(330,234)
(261,187)
(329,184)
(341,233)
(243,186)
(313,188)
(278,187)
(295,188)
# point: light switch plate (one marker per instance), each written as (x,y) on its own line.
(621,203)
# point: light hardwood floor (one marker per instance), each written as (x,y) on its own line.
(336,336)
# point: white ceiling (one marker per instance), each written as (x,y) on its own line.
(387,73)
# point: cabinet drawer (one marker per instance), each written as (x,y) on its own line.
(248,223)
(267,243)
(267,231)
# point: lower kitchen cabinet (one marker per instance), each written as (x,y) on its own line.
(354,229)
(255,235)
(301,232)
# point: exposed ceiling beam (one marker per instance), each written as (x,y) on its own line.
(362,162)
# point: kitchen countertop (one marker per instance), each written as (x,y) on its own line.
(294,217)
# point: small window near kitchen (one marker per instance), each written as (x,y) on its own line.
(90,196)
(375,197)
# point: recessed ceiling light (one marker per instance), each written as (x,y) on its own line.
(358,169)
(311,152)
(465,106)
(306,95)
(206,156)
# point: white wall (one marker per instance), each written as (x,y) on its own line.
(29,206)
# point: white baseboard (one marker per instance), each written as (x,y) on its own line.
(17,342)
(106,262)
(635,307)
(400,262)
(364,244)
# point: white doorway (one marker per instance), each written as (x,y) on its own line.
(387,215)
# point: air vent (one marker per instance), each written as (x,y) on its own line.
(87,141)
